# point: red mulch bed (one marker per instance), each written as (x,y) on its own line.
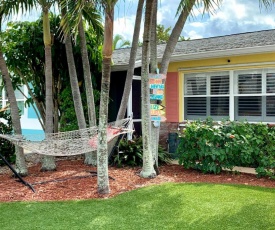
(73,180)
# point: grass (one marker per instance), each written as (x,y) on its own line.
(168,206)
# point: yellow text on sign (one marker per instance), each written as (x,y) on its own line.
(157,112)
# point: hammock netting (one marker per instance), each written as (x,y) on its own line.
(71,142)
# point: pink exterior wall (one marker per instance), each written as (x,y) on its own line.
(172,97)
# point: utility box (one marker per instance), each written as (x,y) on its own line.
(173,142)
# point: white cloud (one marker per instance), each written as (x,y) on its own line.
(233,16)
(125,27)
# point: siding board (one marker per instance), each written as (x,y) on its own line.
(172,97)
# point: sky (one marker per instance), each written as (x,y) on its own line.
(233,16)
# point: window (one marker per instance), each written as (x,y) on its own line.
(255,95)
(238,95)
(19,97)
(207,95)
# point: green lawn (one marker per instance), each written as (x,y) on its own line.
(169,206)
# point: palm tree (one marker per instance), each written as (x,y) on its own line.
(74,81)
(102,149)
(6,8)
(132,60)
(147,168)
(20,158)
(48,162)
(120,42)
(154,69)
(73,19)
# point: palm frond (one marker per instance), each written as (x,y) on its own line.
(208,5)
(8,7)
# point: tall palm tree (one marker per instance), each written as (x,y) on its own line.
(76,10)
(20,159)
(102,149)
(148,170)
(154,69)
(48,162)
(132,60)
(74,81)
(6,8)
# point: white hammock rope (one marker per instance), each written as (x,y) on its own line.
(71,142)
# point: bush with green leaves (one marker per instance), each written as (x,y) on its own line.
(6,148)
(130,153)
(209,146)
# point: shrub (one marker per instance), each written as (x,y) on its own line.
(210,146)
(130,153)
(6,148)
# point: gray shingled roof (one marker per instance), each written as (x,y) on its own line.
(236,44)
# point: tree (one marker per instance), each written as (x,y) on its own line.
(102,148)
(132,60)
(163,34)
(48,162)
(74,81)
(74,19)
(154,69)
(148,164)
(120,42)
(6,8)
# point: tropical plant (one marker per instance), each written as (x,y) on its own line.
(102,148)
(6,8)
(73,20)
(132,60)
(119,42)
(148,170)
(210,146)
(130,153)
(7,149)
(163,34)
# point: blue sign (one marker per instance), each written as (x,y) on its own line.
(155,118)
(157,86)
(156,97)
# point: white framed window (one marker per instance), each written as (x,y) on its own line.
(254,95)
(206,95)
(237,95)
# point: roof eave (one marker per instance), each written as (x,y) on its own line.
(223,53)
(207,55)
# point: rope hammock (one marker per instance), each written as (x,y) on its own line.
(71,142)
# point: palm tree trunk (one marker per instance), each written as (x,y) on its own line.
(131,68)
(74,85)
(147,168)
(102,148)
(90,158)
(20,158)
(174,37)
(130,71)
(155,126)
(48,162)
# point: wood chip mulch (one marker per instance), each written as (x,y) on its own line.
(73,180)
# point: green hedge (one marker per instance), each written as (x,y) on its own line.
(210,146)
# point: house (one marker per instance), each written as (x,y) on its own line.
(29,122)
(227,77)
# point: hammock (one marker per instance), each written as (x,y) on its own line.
(71,142)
